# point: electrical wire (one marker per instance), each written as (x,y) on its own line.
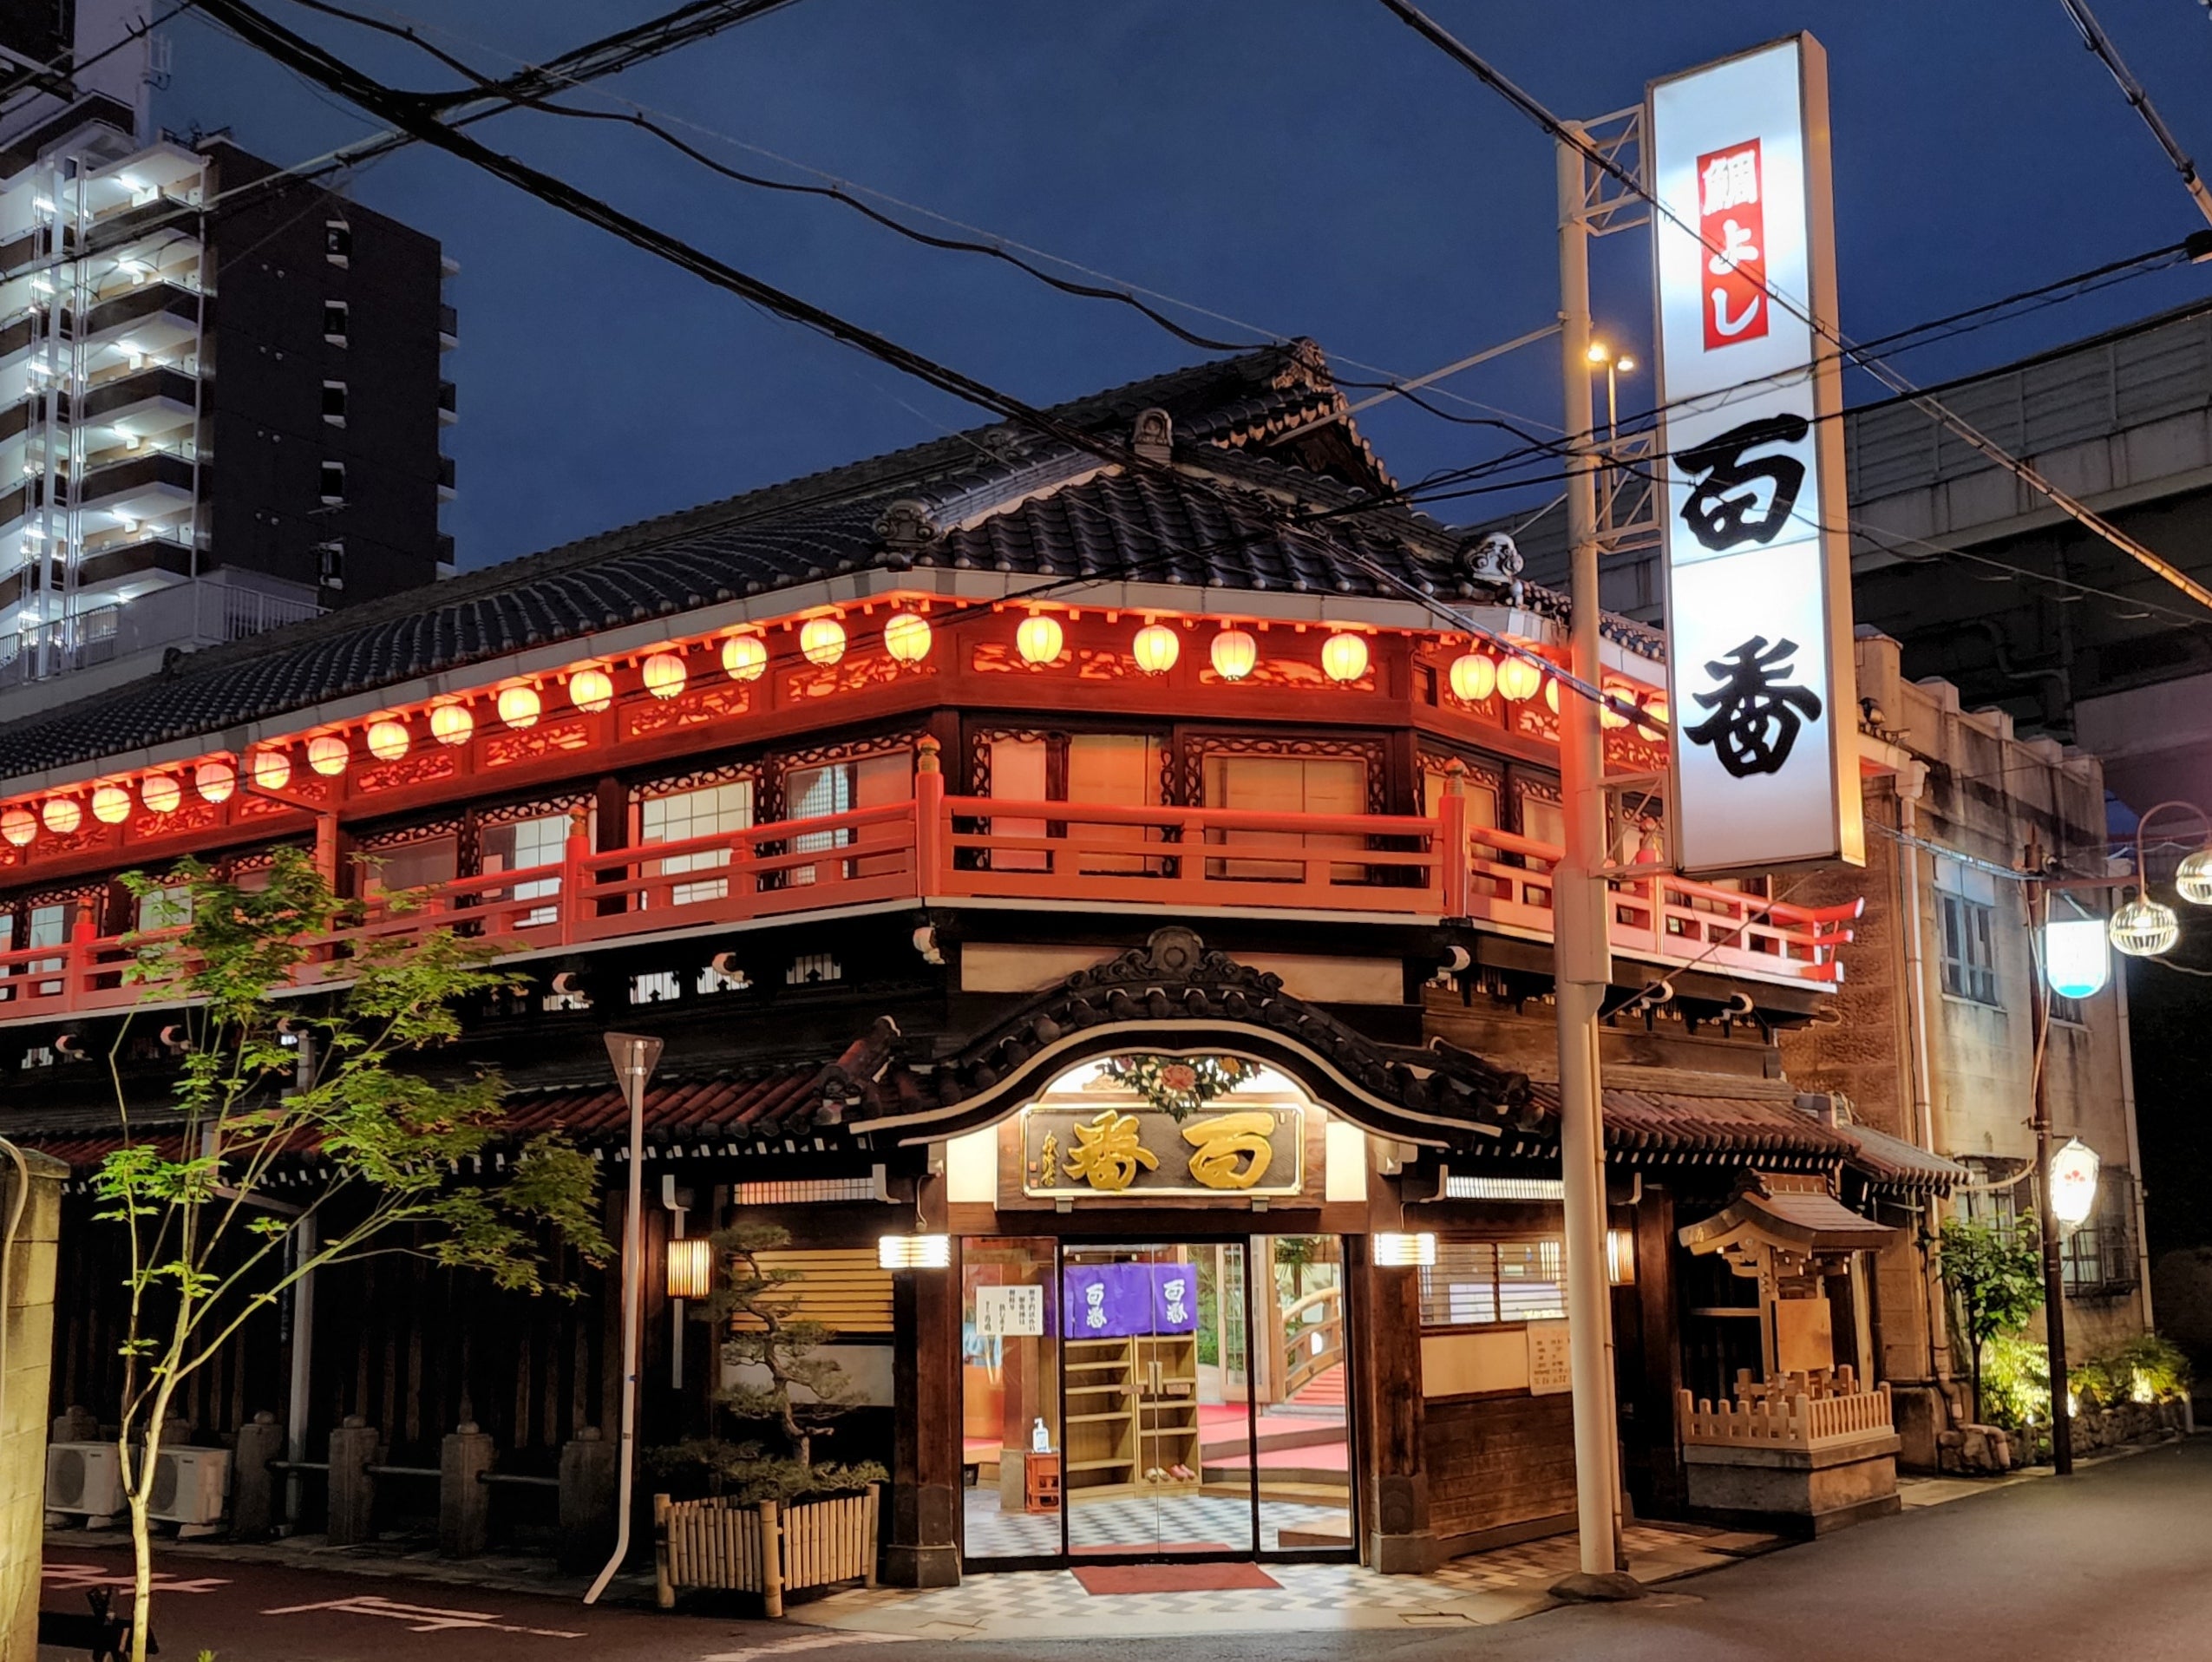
(1560,133)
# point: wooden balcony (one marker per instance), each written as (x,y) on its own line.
(945,850)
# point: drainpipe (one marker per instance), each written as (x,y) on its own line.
(2134,1149)
(1911,783)
(634,1057)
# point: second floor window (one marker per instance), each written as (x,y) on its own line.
(712,810)
(1965,902)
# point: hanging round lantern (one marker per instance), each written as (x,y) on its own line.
(1519,679)
(1655,712)
(663,674)
(328,755)
(1157,648)
(215,781)
(519,707)
(1235,652)
(2193,878)
(1474,677)
(2141,929)
(1038,639)
(111,804)
(272,769)
(18,826)
(906,637)
(62,814)
(592,690)
(1551,694)
(1344,657)
(387,740)
(821,640)
(745,657)
(452,723)
(160,793)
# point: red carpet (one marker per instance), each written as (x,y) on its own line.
(1099,1578)
(1156,1546)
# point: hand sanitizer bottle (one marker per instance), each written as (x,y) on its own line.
(1040,1440)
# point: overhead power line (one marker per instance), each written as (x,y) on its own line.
(2094,37)
(1559,131)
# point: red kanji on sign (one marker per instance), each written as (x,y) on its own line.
(1732,225)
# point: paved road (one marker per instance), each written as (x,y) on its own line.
(2117,1563)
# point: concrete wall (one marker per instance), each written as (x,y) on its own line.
(29,1314)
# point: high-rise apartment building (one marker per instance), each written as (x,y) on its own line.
(221,387)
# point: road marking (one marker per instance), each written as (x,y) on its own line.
(422,1618)
(72,1578)
(799,1642)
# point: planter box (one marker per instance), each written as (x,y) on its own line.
(712,1545)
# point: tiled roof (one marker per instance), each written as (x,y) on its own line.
(1682,1123)
(720,1106)
(1252,435)
(1891,1162)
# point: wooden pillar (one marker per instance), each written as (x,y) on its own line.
(1386,1317)
(925,1547)
(1655,1457)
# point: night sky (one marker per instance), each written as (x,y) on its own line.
(1302,167)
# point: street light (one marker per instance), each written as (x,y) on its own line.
(1615,366)
(2144,927)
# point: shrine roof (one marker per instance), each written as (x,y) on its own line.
(1726,1116)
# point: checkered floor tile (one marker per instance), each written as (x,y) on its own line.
(1136,1522)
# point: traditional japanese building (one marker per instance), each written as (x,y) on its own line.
(1112,872)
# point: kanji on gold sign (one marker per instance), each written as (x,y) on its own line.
(1108,1152)
(1221,1145)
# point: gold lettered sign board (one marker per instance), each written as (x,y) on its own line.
(1217,1152)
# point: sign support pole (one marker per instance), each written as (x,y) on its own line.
(1582,951)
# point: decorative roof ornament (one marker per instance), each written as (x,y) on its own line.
(1154,436)
(907,528)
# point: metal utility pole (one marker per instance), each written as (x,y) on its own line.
(2054,1274)
(1582,951)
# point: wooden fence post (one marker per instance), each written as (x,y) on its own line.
(929,818)
(663,1584)
(771,1561)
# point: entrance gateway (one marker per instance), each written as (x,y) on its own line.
(1156,1377)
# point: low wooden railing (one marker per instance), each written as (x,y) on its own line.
(1797,1421)
(935,847)
(1318,1313)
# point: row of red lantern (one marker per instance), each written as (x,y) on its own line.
(1475,677)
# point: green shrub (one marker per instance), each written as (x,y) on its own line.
(2145,1369)
(2015,1383)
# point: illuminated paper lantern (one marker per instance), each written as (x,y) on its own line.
(2076,959)
(1551,695)
(906,637)
(691,1267)
(328,755)
(18,826)
(1235,653)
(452,723)
(1344,657)
(111,804)
(215,781)
(1474,677)
(1038,640)
(2074,1171)
(62,815)
(592,690)
(160,793)
(272,769)
(387,740)
(519,707)
(1655,718)
(663,674)
(1519,679)
(821,640)
(745,657)
(1157,647)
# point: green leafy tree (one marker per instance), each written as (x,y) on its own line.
(1996,1279)
(780,1381)
(261,1080)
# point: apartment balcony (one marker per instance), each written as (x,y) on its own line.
(947,852)
(448,329)
(153,486)
(158,317)
(131,556)
(144,402)
(445,479)
(447,400)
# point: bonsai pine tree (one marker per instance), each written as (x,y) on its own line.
(1996,1277)
(776,1384)
(340,1074)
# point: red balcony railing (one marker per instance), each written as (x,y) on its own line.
(944,849)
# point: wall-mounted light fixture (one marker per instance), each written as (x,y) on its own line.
(913,1252)
(691,1267)
(1397,1251)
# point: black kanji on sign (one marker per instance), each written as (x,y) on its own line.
(1723,510)
(1755,714)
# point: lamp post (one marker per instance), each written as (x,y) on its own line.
(1616,365)
(2054,1275)
(635,1057)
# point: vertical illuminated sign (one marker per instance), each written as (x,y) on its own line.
(1750,443)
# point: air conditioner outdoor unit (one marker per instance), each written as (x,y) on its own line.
(83,1477)
(189,1485)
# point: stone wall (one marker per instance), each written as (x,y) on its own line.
(29,1314)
